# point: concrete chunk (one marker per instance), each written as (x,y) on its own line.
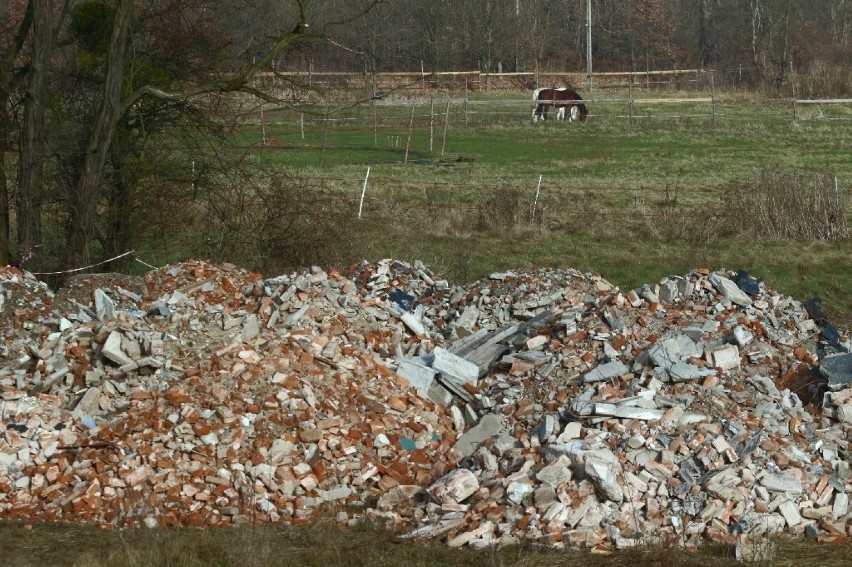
(725,357)
(112,350)
(487,427)
(604,476)
(556,473)
(781,483)
(730,290)
(455,367)
(791,513)
(420,376)
(455,486)
(414,324)
(606,371)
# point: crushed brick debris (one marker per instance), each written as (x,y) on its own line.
(542,406)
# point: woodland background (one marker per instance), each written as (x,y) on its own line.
(101,101)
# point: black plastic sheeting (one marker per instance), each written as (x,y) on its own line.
(828,332)
(746,283)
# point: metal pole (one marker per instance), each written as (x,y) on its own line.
(589,42)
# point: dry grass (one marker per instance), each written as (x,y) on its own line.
(324,544)
(788,204)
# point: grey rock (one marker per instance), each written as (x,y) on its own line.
(791,513)
(668,291)
(725,357)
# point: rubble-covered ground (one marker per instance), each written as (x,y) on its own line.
(539,406)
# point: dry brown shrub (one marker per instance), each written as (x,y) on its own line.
(787,204)
(284,222)
(501,210)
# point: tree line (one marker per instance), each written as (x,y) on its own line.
(113,127)
(771,38)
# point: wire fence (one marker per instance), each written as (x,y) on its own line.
(454,112)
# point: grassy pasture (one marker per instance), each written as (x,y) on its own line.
(634,202)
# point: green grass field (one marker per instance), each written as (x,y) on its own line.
(632,202)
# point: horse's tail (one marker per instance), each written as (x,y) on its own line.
(536,93)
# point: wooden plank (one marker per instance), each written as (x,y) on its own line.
(826,101)
(670,100)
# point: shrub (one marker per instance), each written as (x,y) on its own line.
(787,204)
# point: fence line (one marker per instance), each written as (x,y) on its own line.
(472,107)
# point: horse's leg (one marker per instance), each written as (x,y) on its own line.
(574,113)
(560,113)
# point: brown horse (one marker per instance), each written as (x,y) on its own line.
(561,98)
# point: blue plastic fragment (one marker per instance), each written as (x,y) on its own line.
(404,300)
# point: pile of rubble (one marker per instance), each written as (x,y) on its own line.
(539,406)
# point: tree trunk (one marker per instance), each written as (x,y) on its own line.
(119,229)
(88,190)
(5,256)
(33,138)
(755,33)
(705,43)
(6,82)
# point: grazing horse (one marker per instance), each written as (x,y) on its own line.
(562,98)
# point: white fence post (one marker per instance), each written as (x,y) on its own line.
(535,201)
(363,192)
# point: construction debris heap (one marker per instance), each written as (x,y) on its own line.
(541,406)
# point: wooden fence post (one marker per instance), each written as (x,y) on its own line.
(324,137)
(375,126)
(713,96)
(431,122)
(630,97)
(795,108)
(446,125)
(410,127)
